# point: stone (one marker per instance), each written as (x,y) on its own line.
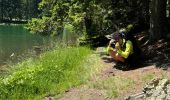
(157,89)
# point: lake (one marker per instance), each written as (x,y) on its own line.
(16,41)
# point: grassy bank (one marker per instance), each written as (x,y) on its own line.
(52,73)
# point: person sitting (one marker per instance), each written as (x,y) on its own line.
(121,50)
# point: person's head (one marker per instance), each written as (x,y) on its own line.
(118,38)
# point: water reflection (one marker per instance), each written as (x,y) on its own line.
(15,40)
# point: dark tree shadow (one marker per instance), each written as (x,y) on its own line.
(157,54)
(109,59)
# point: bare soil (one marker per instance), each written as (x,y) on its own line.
(156,64)
(84,92)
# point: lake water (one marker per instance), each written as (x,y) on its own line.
(15,40)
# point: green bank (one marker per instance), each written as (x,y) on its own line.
(52,73)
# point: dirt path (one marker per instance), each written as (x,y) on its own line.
(101,85)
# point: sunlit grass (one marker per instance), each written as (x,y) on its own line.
(52,73)
(150,76)
(114,85)
(146,78)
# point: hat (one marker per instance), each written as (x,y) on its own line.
(116,36)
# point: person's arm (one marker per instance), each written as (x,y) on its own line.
(109,47)
(128,50)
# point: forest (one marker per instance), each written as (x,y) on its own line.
(89,17)
(18,10)
(94,18)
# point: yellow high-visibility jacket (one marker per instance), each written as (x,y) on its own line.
(125,50)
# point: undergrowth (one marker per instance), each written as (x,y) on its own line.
(52,73)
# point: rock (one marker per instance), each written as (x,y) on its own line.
(151,85)
(168,89)
(163,82)
(157,89)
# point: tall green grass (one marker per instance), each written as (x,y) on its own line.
(52,73)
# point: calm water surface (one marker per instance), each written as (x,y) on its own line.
(15,41)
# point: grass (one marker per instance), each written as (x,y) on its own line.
(114,85)
(150,76)
(146,78)
(52,73)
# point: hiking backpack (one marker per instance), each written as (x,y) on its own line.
(128,36)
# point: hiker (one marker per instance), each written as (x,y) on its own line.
(121,49)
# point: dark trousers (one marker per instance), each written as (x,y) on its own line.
(132,60)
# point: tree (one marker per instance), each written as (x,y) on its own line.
(168,8)
(18,10)
(92,18)
(158,20)
(1,10)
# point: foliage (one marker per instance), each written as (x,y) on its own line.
(43,25)
(69,35)
(18,10)
(52,73)
(90,18)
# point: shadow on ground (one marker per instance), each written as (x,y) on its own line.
(157,53)
(109,59)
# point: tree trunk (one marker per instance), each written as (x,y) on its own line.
(27,9)
(1,16)
(87,18)
(146,10)
(168,8)
(158,21)
(88,25)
